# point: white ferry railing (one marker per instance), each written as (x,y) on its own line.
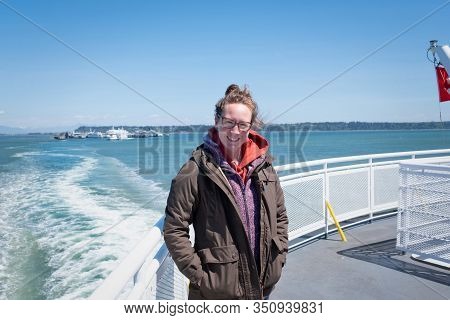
(359,187)
(147,272)
(423,226)
(356,187)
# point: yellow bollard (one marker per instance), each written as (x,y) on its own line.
(341,233)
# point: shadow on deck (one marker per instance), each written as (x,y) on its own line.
(385,254)
(368,266)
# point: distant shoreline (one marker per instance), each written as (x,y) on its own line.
(312,126)
(308,126)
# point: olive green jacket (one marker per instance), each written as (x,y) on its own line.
(221,264)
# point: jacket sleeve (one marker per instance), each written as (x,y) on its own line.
(282,218)
(181,205)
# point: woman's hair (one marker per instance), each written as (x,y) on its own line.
(234,94)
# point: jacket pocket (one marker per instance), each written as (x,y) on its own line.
(221,273)
(277,259)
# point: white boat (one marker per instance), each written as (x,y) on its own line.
(77,135)
(117,134)
(95,134)
(61,136)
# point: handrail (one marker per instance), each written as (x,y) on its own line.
(422,166)
(118,279)
(143,263)
(363,165)
(315,163)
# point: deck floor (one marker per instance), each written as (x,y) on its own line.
(366,267)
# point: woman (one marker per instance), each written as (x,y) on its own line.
(230,193)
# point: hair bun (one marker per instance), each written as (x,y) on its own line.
(231,88)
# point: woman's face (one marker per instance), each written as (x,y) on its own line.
(232,137)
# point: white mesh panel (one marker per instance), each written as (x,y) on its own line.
(385,184)
(171,282)
(424,212)
(349,190)
(304,201)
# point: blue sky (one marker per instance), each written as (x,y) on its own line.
(182,55)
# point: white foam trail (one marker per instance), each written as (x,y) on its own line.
(148,189)
(43,153)
(98,257)
(14,207)
(68,221)
(78,198)
(27,154)
(6,231)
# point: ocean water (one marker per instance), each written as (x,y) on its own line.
(71,210)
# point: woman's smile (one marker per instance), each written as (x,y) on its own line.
(233,139)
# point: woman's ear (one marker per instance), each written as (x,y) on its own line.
(216,120)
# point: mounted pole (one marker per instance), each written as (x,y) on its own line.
(336,222)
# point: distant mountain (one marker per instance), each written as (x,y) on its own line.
(11,130)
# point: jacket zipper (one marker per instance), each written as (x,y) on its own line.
(266,246)
(246,209)
(249,240)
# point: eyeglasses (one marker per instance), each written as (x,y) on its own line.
(228,123)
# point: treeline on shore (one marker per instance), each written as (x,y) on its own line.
(314,126)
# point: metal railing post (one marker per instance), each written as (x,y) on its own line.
(325,197)
(371,189)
